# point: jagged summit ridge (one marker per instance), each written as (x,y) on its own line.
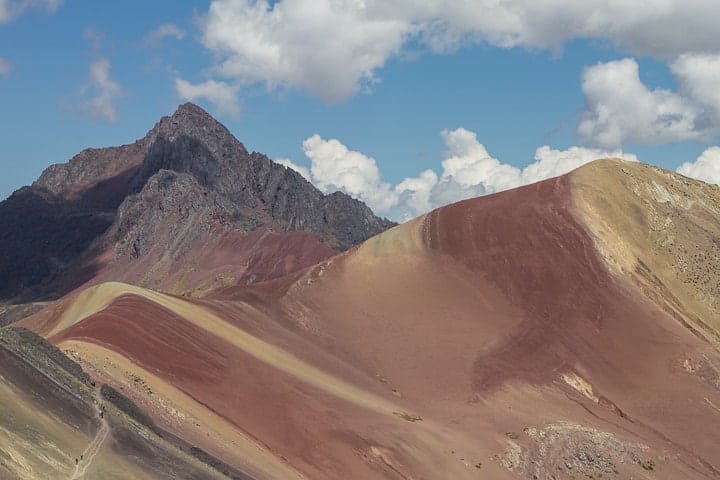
(192,142)
(96,164)
(191,120)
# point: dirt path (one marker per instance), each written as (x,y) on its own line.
(95,446)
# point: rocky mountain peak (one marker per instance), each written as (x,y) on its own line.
(188,177)
(191,121)
(187,128)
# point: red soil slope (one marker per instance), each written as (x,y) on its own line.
(488,339)
(220,258)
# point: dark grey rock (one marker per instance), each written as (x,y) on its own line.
(187,175)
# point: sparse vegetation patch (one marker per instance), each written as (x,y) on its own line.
(39,352)
(215,463)
(408,416)
(127,406)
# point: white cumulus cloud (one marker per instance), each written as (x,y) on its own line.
(5,67)
(414,194)
(97,96)
(9,9)
(335,48)
(620,108)
(326,47)
(699,78)
(164,31)
(552,163)
(335,167)
(705,168)
(467,170)
(221,95)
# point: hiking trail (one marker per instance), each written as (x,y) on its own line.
(95,446)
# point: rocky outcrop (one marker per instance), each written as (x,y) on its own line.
(96,178)
(249,188)
(187,178)
(351,222)
(172,207)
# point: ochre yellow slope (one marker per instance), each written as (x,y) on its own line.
(660,229)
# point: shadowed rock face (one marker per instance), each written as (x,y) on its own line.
(42,235)
(186,179)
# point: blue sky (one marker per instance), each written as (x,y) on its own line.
(407,105)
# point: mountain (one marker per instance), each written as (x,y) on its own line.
(184,209)
(566,329)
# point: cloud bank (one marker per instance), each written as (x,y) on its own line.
(705,168)
(334,49)
(335,167)
(468,170)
